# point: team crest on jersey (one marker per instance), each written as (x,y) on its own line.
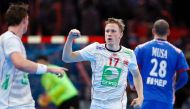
(110,76)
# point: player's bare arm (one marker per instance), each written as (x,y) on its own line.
(139,88)
(68,54)
(31,67)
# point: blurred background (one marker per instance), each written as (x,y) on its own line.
(55,18)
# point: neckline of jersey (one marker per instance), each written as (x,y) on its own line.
(113,50)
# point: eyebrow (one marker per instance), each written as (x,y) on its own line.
(112,30)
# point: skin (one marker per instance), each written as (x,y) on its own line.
(113,36)
(156,36)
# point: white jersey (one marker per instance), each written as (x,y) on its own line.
(109,72)
(14,84)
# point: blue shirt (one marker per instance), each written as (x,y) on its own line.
(159,61)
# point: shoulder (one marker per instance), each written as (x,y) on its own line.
(127,51)
(145,44)
(93,44)
(97,46)
(176,49)
(8,35)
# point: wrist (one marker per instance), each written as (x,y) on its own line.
(69,38)
(41,68)
(141,97)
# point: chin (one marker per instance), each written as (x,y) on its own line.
(108,43)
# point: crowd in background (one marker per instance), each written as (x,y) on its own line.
(58,17)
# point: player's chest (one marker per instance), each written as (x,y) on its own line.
(112,59)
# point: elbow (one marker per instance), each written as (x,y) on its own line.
(18,61)
(18,65)
(65,59)
(184,77)
(182,80)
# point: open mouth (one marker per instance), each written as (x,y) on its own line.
(109,39)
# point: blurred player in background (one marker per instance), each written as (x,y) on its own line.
(59,90)
(15,90)
(160,62)
(110,63)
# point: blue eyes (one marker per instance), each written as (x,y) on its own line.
(112,31)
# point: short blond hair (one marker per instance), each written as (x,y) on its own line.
(119,22)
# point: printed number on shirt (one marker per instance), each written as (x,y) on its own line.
(113,61)
(162,68)
(157,78)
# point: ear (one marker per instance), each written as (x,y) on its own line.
(25,19)
(153,31)
(168,32)
(121,35)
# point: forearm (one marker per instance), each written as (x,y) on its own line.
(27,66)
(22,63)
(138,83)
(67,51)
(68,54)
(181,80)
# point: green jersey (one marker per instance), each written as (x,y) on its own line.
(59,89)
